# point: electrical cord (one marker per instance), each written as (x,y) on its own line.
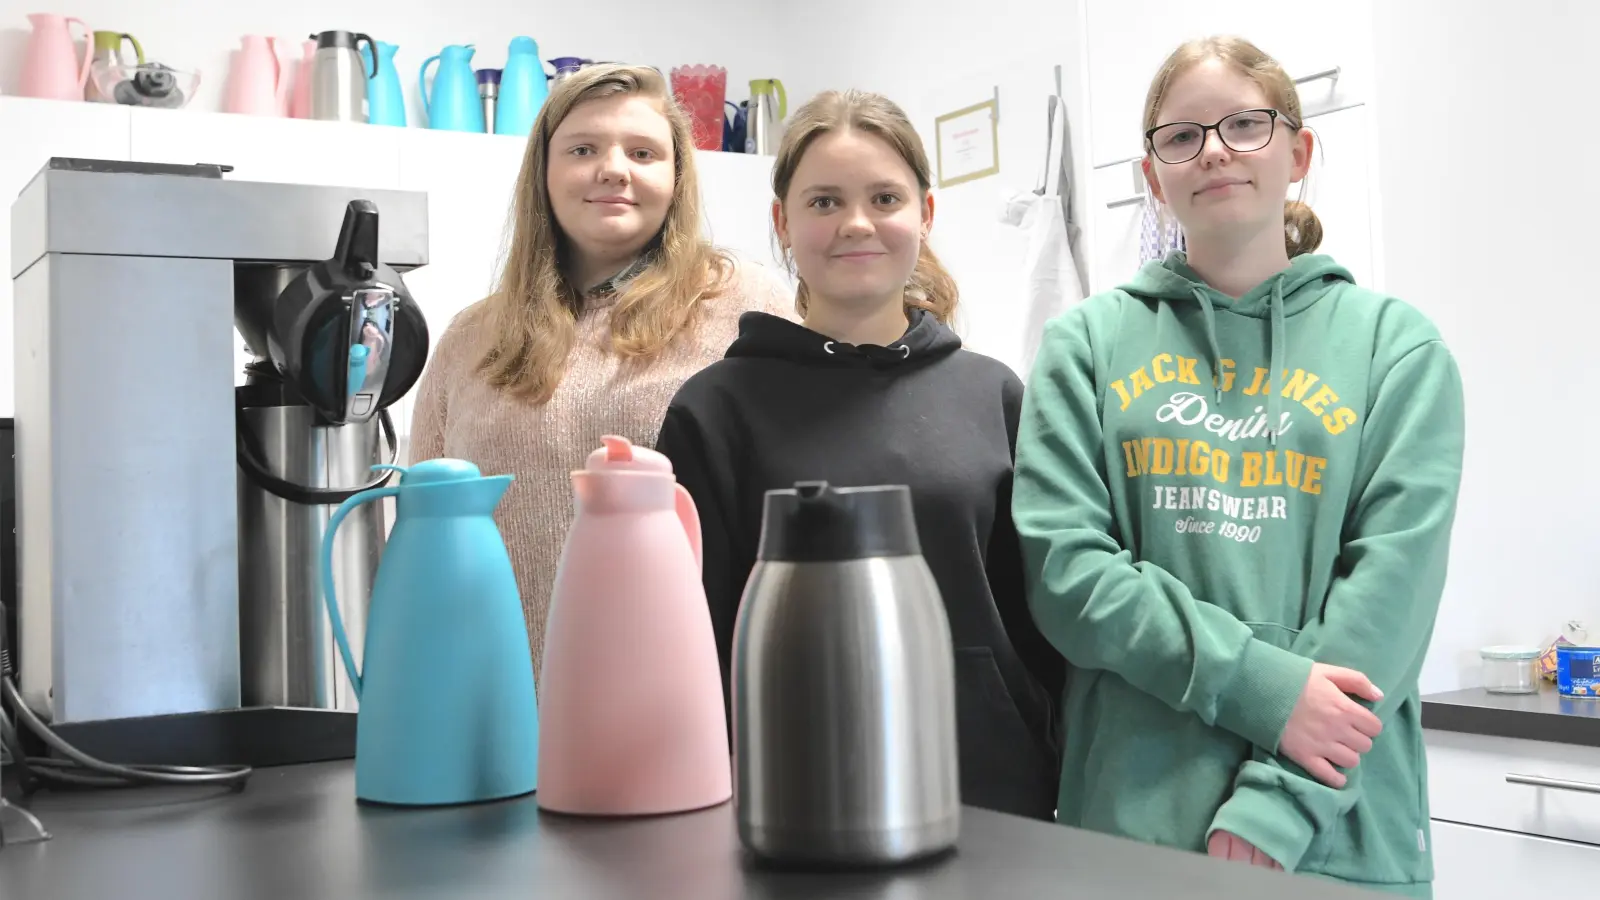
(79,769)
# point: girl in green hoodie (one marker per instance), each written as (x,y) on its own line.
(1236,478)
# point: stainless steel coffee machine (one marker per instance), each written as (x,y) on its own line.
(168,522)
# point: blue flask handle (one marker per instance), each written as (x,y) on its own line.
(328,598)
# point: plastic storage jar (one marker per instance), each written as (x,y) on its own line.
(1510,670)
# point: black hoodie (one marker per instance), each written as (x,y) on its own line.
(787,404)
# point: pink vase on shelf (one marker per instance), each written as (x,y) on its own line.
(701,91)
(300,103)
(256,84)
(51,69)
(631,717)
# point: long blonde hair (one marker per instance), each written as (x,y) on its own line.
(531,319)
(1302,230)
(931,286)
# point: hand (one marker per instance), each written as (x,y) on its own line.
(1230,846)
(1329,729)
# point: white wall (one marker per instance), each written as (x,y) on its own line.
(196,34)
(1488,219)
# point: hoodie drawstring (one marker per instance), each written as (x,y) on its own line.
(901,348)
(1280,337)
(1211,339)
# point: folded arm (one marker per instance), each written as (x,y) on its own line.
(1379,613)
(1098,606)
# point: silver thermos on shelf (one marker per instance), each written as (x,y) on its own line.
(843,685)
(769,104)
(489,92)
(339,76)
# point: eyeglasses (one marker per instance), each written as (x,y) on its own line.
(1243,132)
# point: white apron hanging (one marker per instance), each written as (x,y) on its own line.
(1049,272)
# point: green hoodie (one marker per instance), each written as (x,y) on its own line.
(1191,561)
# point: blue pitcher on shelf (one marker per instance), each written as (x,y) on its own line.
(524,86)
(735,126)
(447,711)
(386,104)
(453,104)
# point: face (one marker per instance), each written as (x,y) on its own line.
(611,174)
(1223,190)
(854,218)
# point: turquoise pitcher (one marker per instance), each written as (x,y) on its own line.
(386,105)
(453,104)
(447,710)
(523,89)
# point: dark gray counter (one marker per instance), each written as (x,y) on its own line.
(296,833)
(1545,716)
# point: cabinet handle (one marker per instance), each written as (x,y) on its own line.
(1325,73)
(1560,784)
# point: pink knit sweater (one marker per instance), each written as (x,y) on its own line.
(459,415)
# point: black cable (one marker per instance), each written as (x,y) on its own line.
(79,769)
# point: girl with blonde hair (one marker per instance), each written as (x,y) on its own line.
(610,298)
(1236,482)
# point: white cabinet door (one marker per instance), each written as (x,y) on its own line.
(32,131)
(1128,39)
(262,148)
(1116,218)
(1472,863)
(1468,783)
(736,204)
(1342,191)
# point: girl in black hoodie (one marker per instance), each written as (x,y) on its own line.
(874,388)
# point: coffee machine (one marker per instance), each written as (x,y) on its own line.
(168,518)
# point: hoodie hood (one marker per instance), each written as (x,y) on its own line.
(767,336)
(1309,279)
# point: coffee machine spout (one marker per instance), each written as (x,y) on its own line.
(346,332)
(357,250)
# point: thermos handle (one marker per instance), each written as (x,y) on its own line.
(373,48)
(280,84)
(422,84)
(783,100)
(328,597)
(690,517)
(88,50)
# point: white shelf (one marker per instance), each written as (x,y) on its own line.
(469,179)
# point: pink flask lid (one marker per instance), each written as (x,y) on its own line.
(620,455)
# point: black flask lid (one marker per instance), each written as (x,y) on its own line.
(816,522)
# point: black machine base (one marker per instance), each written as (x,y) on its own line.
(258,737)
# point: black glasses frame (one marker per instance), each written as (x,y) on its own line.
(1200,145)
